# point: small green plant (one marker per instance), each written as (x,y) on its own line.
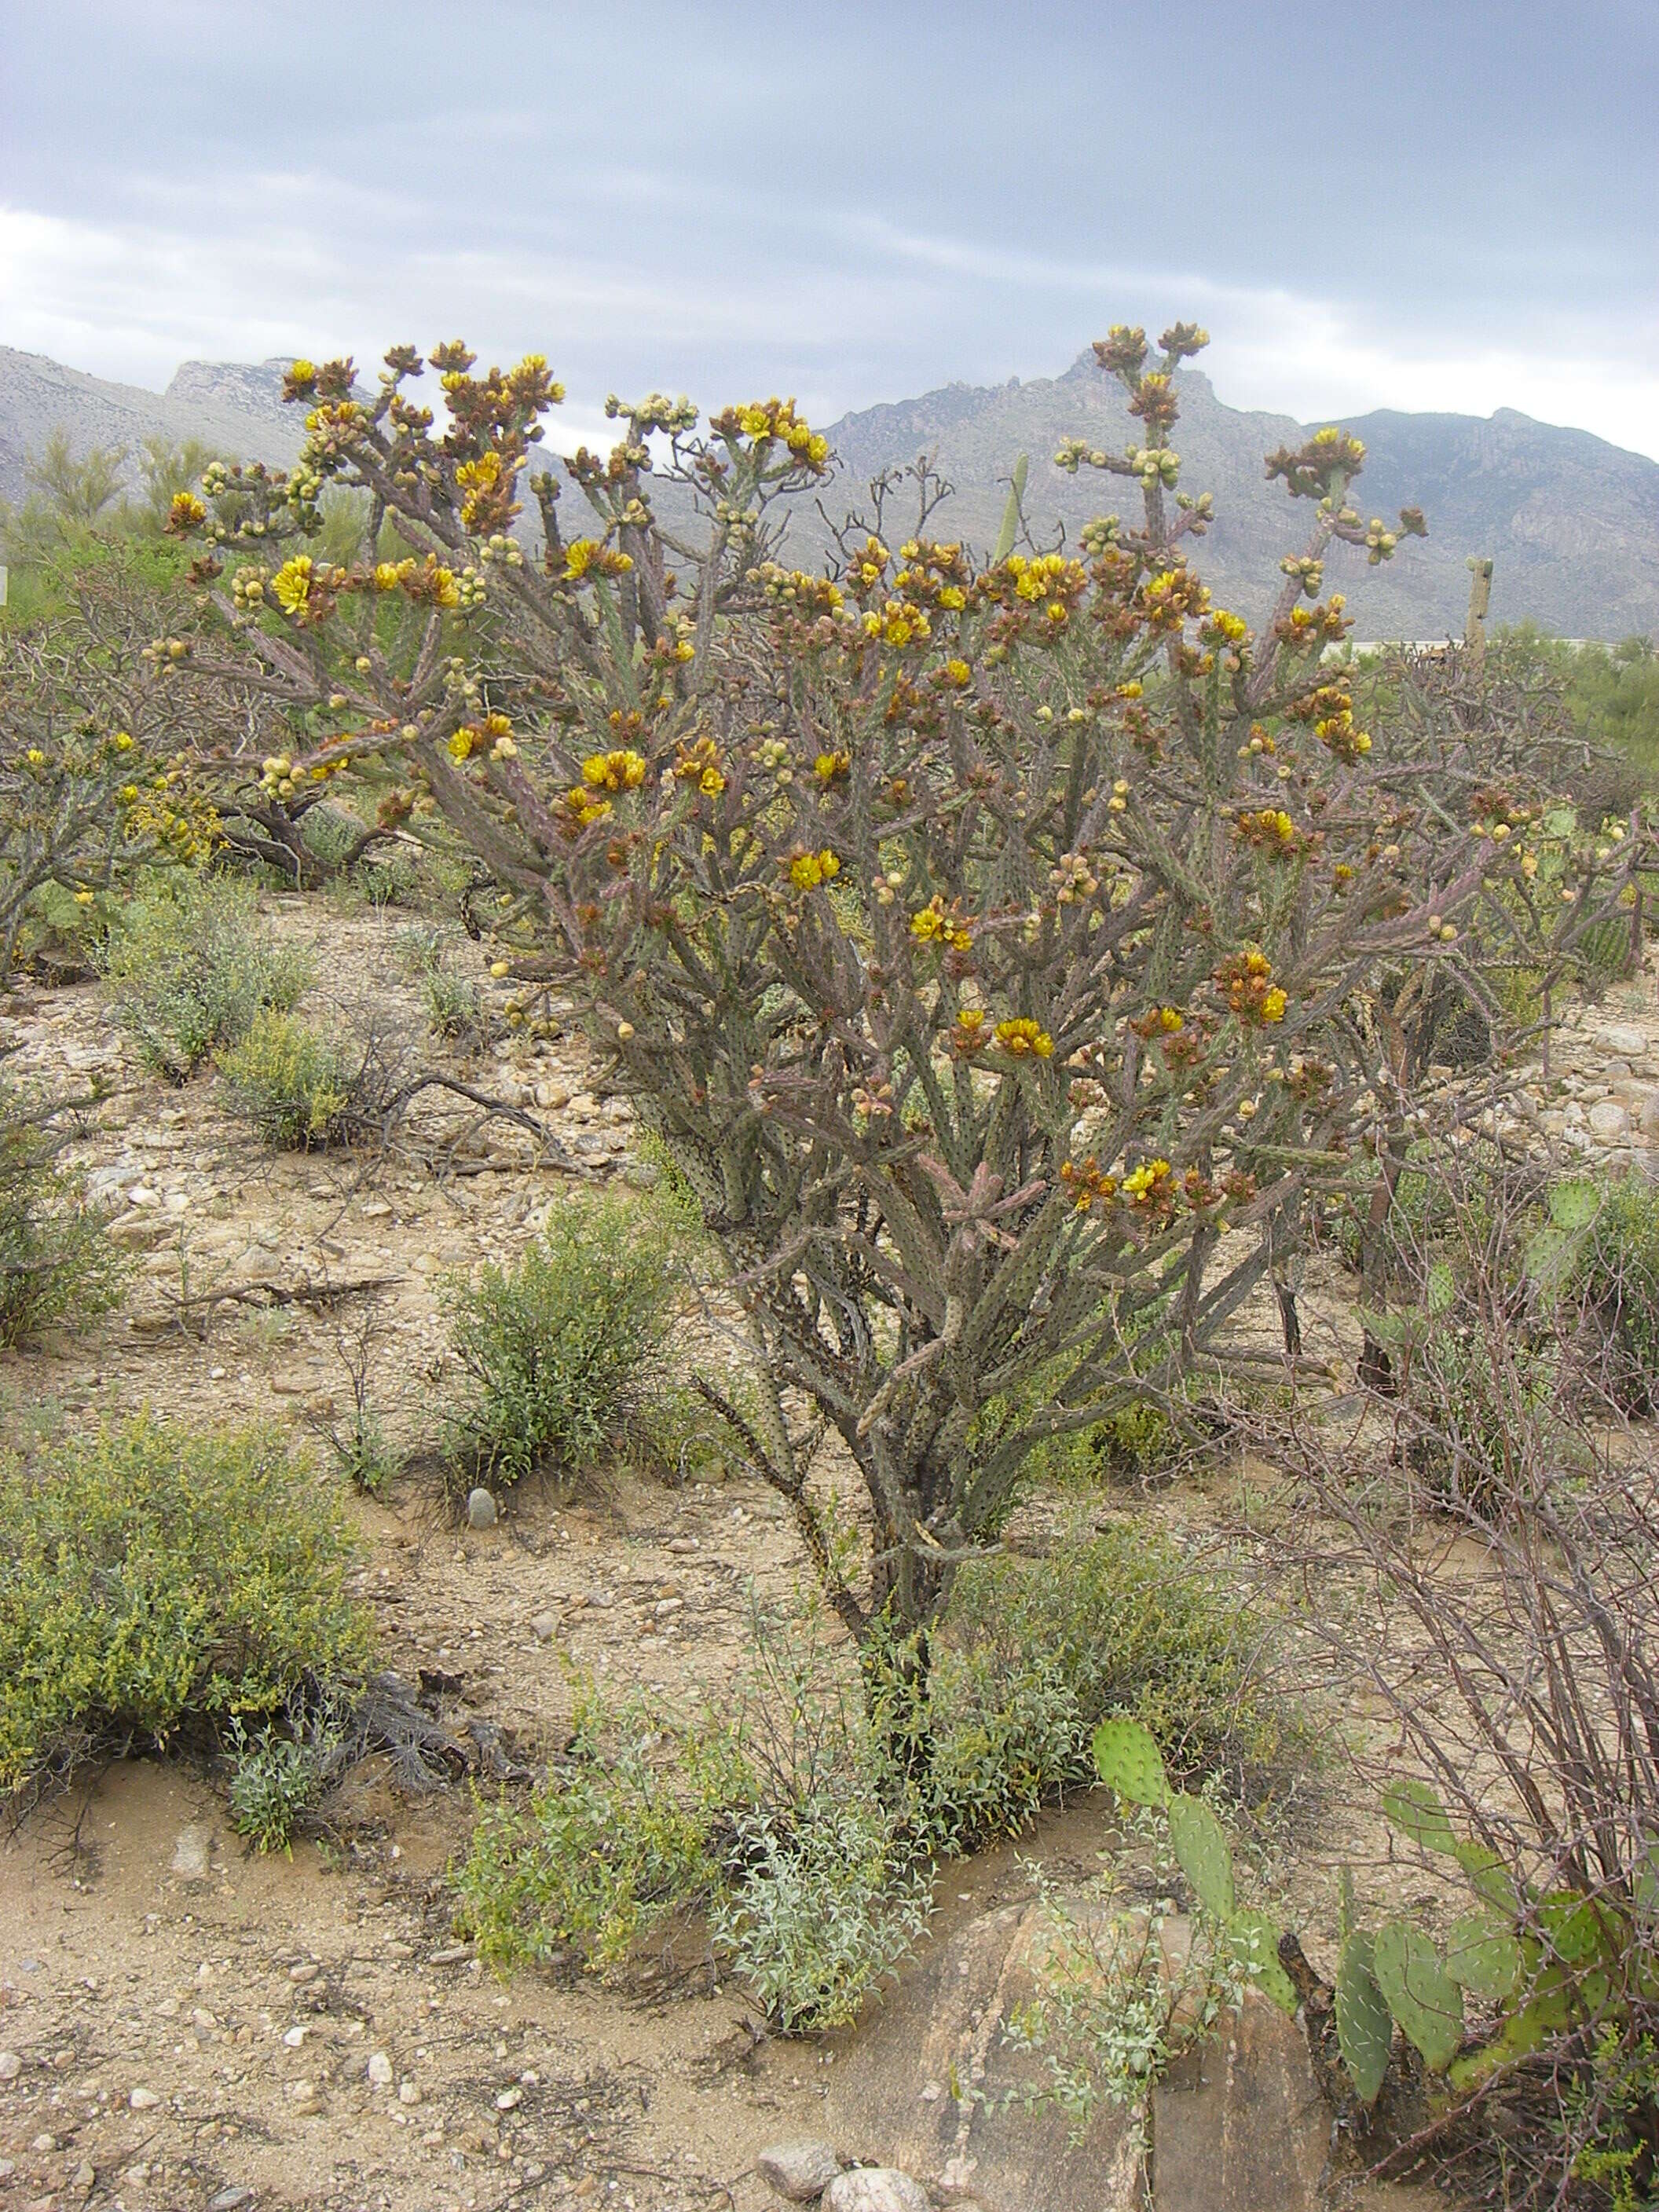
(155,1579)
(565,1351)
(624,1833)
(278,1777)
(191,970)
(776,1821)
(1118,1998)
(418,949)
(293,1085)
(455,1007)
(55,1262)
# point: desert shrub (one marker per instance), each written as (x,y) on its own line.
(388,879)
(618,1838)
(55,1263)
(980,937)
(802,1820)
(1613,1282)
(825,1904)
(278,1774)
(775,1821)
(418,951)
(153,1581)
(191,970)
(1029,1660)
(292,1085)
(455,1007)
(1501,1629)
(565,1350)
(89,797)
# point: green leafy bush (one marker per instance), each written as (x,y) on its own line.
(803,1819)
(564,1351)
(455,1007)
(55,1262)
(626,1831)
(828,1899)
(193,969)
(768,1821)
(153,1579)
(291,1083)
(1029,1659)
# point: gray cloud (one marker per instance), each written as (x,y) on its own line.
(1419,205)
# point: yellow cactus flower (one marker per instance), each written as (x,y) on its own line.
(1022,1038)
(291,585)
(808,871)
(623,770)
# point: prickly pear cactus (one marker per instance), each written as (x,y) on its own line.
(1127,1760)
(1364,2026)
(1253,1938)
(1413,1808)
(1201,1845)
(1484,1957)
(1419,1993)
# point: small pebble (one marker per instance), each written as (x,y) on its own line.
(143,2100)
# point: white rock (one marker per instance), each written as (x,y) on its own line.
(190,1854)
(379,2069)
(143,2100)
(544,1627)
(409,2092)
(1608,1120)
(142,1195)
(875,2189)
(10,2066)
(1622,1043)
(798,2170)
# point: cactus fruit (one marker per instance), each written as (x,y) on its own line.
(1419,1993)
(1365,2029)
(1128,1761)
(1483,1957)
(1201,1845)
(1412,1808)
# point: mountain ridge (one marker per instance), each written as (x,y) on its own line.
(1570,521)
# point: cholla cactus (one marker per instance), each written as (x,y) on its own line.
(980,939)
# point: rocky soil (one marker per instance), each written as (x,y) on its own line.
(186,2024)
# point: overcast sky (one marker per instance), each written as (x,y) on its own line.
(1452,205)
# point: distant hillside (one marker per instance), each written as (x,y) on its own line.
(1571,522)
(236,409)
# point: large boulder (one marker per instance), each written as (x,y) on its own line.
(935,2085)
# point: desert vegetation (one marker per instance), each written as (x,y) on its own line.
(1088,1113)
